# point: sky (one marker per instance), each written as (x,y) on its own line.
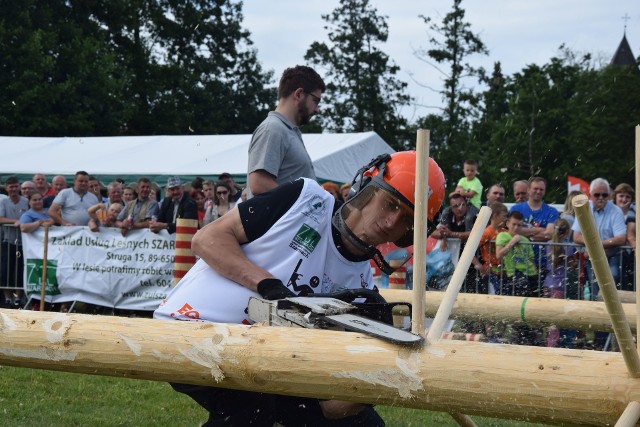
(516,33)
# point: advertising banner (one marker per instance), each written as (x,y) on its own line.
(133,272)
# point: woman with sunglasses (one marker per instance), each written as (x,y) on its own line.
(221,203)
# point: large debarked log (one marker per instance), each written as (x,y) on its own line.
(556,386)
(568,314)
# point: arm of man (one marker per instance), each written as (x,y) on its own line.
(55,212)
(261,181)
(218,245)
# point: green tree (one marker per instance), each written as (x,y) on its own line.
(453,43)
(58,75)
(192,66)
(363,91)
(130,67)
(563,118)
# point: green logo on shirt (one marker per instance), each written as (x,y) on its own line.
(305,240)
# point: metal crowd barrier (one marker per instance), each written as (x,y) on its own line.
(575,280)
(12,267)
(11,263)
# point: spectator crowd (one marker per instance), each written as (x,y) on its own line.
(27,206)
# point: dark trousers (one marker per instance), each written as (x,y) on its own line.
(234,408)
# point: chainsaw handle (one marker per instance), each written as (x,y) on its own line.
(348,295)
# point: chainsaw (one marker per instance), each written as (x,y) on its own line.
(357,310)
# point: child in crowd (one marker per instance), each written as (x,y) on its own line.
(562,280)
(470,186)
(518,259)
(489,265)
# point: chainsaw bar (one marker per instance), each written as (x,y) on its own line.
(325,313)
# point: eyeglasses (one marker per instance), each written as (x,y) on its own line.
(457,206)
(316,99)
(600,195)
(222,193)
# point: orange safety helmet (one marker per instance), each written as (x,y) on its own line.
(396,174)
(399,179)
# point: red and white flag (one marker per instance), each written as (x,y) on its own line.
(579,184)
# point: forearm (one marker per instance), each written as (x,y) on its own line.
(29,227)
(501,251)
(261,181)
(218,245)
(56,215)
(615,241)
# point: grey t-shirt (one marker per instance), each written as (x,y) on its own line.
(277,147)
(74,206)
(8,209)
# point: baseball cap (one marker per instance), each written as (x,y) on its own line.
(174,181)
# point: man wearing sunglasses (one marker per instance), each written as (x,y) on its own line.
(277,153)
(611,227)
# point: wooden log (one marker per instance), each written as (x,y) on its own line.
(420,218)
(637,254)
(548,385)
(600,264)
(630,415)
(566,314)
(626,297)
(459,275)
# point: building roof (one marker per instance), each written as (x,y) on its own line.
(623,55)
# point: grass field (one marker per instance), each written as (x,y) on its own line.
(30,397)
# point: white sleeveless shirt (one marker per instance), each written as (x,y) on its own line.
(298,249)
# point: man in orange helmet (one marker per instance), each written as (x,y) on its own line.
(296,239)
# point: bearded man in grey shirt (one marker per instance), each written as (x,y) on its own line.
(277,153)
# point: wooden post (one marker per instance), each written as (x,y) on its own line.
(630,416)
(637,254)
(420,230)
(43,285)
(605,281)
(184,258)
(459,274)
(566,314)
(548,385)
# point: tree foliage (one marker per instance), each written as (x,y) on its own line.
(129,67)
(562,118)
(452,44)
(363,92)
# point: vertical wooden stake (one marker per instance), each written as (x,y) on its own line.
(607,286)
(630,416)
(635,274)
(43,284)
(420,231)
(459,274)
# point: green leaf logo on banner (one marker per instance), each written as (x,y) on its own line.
(34,277)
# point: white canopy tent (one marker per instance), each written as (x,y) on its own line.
(336,157)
